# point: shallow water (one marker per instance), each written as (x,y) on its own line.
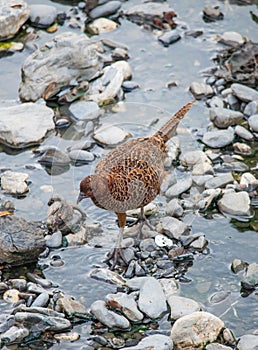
(153,66)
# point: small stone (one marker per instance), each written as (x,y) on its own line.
(218,138)
(18,283)
(223,118)
(55,240)
(108,317)
(231,39)
(81,156)
(247,179)
(173,227)
(42,16)
(110,135)
(153,342)
(70,306)
(242,148)
(169,38)
(251,275)
(108,8)
(244,93)
(253,122)
(14,334)
(181,186)
(215,102)
(127,304)
(108,276)
(85,110)
(211,14)
(204,168)
(219,181)
(195,330)
(14,182)
(238,265)
(181,306)
(129,86)
(11,296)
(201,180)
(251,108)
(71,336)
(163,241)
(170,286)
(41,300)
(152,300)
(201,90)
(173,208)
(102,25)
(243,133)
(248,342)
(199,243)
(124,67)
(217,346)
(234,203)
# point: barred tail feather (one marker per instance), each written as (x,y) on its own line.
(169,129)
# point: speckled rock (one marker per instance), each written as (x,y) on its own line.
(14,182)
(195,330)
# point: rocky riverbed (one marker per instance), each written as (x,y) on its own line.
(79,78)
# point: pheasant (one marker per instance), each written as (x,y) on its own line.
(130,176)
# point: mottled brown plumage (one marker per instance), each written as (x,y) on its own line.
(130,176)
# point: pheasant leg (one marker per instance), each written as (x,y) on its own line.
(117,252)
(143,221)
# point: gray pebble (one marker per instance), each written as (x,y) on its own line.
(248,342)
(173,227)
(169,38)
(41,300)
(253,122)
(235,203)
(181,186)
(224,118)
(55,240)
(251,108)
(81,156)
(200,90)
(243,133)
(244,93)
(84,110)
(42,16)
(218,138)
(104,10)
(181,306)
(173,208)
(219,181)
(154,342)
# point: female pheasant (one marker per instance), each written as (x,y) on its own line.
(130,176)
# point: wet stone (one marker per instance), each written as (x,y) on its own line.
(223,118)
(129,86)
(21,241)
(217,346)
(231,39)
(104,10)
(243,133)
(181,186)
(195,330)
(211,14)
(169,38)
(173,227)
(108,276)
(102,25)
(14,334)
(247,179)
(238,265)
(70,306)
(54,240)
(107,317)
(218,138)
(41,300)
(81,156)
(18,283)
(200,90)
(242,148)
(14,182)
(19,131)
(12,17)
(253,122)
(127,305)
(251,108)
(152,300)
(181,306)
(251,275)
(248,342)
(219,181)
(110,135)
(153,342)
(45,323)
(42,16)
(174,208)
(244,93)
(234,203)
(85,110)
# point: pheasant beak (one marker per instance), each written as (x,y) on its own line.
(80,197)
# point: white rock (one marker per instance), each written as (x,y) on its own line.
(253,122)
(110,135)
(231,38)
(170,286)
(85,110)
(102,25)
(200,90)
(128,305)
(152,300)
(174,208)
(13,15)
(248,342)
(173,227)
(42,16)
(153,342)
(14,183)
(181,186)
(25,124)
(124,67)
(234,203)
(219,181)
(244,133)
(181,306)
(244,92)
(247,179)
(195,330)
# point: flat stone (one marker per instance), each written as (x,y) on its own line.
(127,305)
(248,342)
(195,330)
(243,133)
(110,135)
(25,124)
(201,180)
(109,8)
(173,227)
(253,122)
(223,117)
(217,346)
(14,182)
(202,168)
(181,306)
(181,186)
(139,13)
(70,306)
(200,90)
(152,300)
(85,110)
(12,17)
(81,156)
(218,138)
(170,286)
(45,72)
(42,16)
(173,208)
(211,14)
(108,317)
(244,93)
(153,342)
(251,108)
(234,203)
(191,158)
(242,148)
(14,334)
(219,181)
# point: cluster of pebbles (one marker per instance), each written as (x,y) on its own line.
(210,180)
